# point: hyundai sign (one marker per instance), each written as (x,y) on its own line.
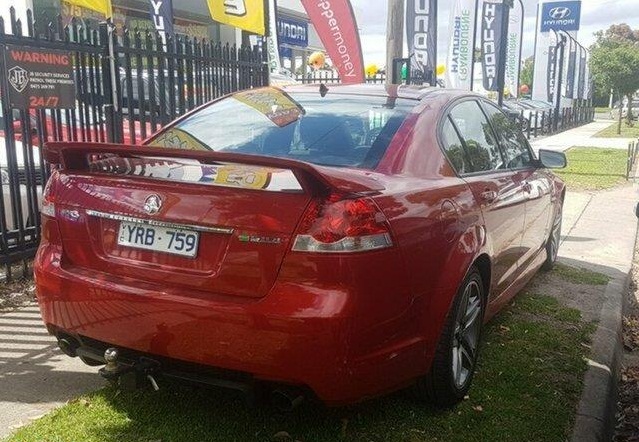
(292,32)
(561,16)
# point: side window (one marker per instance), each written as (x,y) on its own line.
(482,148)
(513,142)
(454,148)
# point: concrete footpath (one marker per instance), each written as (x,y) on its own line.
(35,376)
(581,136)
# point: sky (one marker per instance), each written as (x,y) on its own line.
(596,15)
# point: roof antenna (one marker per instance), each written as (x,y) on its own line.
(323,90)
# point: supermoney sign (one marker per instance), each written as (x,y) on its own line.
(561,16)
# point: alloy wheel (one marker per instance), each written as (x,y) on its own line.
(466,334)
(555,237)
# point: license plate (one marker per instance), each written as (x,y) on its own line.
(159,239)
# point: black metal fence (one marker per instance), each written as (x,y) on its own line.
(331,77)
(127,84)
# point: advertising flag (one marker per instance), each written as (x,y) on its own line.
(513,51)
(581,87)
(460,51)
(104,7)
(571,69)
(162,17)
(587,79)
(249,15)
(336,26)
(272,42)
(491,31)
(551,68)
(421,33)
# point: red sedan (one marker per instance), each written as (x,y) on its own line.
(347,241)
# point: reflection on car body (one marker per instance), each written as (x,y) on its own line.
(380,229)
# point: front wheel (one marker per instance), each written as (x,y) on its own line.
(552,245)
(455,359)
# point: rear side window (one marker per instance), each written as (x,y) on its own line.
(515,146)
(332,130)
(454,148)
(481,146)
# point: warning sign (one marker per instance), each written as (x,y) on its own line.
(39,78)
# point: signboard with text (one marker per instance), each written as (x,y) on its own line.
(292,32)
(39,78)
(561,16)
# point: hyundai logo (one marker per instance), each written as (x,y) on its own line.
(559,13)
(152,204)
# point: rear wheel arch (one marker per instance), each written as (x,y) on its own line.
(483,264)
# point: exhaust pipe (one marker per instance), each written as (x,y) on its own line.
(286,399)
(68,346)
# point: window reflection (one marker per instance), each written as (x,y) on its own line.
(335,130)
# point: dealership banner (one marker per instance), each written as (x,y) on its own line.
(249,15)
(292,32)
(587,80)
(491,31)
(581,87)
(459,65)
(272,43)
(336,26)
(421,34)
(162,17)
(561,16)
(39,78)
(571,69)
(513,51)
(104,7)
(551,70)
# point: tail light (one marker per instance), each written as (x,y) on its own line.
(50,231)
(48,201)
(339,224)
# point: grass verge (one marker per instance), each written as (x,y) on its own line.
(626,131)
(527,386)
(592,168)
(580,276)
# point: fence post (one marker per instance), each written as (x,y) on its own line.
(110,78)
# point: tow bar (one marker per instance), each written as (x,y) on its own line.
(129,376)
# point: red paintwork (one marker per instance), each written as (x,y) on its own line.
(348,326)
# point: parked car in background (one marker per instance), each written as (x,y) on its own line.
(349,240)
(614,113)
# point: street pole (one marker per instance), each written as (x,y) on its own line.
(394,37)
(503,50)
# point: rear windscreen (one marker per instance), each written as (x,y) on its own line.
(334,130)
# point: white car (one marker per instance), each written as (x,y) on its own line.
(23,181)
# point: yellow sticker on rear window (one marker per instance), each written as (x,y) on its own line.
(174,138)
(246,177)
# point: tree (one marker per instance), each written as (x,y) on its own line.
(615,64)
(527,72)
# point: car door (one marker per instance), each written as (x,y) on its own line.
(535,183)
(495,189)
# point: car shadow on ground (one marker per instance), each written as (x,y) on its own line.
(32,368)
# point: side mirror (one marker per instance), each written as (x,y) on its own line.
(552,160)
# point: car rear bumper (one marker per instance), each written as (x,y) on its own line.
(296,335)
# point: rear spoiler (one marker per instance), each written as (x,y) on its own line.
(74,156)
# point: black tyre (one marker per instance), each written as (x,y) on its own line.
(554,240)
(455,359)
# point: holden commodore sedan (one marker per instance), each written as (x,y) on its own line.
(343,242)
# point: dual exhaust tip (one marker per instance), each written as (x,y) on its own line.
(285,399)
